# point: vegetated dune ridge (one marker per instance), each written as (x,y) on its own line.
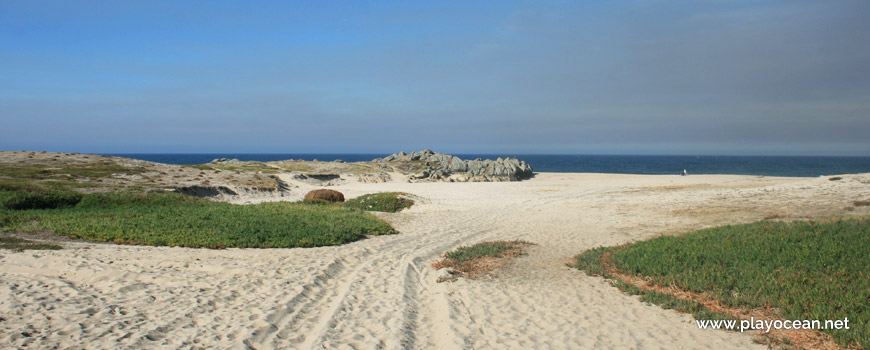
(382,293)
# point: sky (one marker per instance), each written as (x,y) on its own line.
(710,77)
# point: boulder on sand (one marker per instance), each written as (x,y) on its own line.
(327,195)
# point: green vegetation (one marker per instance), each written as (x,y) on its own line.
(312,168)
(66,170)
(297,166)
(54,184)
(667,302)
(178,220)
(479,259)
(316,201)
(592,261)
(21,194)
(18,244)
(200,166)
(835,178)
(326,167)
(49,199)
(807,270)
(495,249)
(390,202)
(249,166)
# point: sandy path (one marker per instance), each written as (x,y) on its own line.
(381,292)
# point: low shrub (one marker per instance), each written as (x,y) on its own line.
(389,202)
(41,199)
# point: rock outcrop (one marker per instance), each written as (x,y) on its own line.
(206,191)
(439,166)
(224,161)
(374,178)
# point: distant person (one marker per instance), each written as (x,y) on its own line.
(685,172)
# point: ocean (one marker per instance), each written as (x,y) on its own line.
(799,166)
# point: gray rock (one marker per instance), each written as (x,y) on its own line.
(224,161)
(451,168)
(374,178)
(206,191)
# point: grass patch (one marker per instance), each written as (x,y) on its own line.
(45,199)
(775,216)
(592,261)
(199,166)
(21,194)
(165,219)
(835,178)
(18,244)
(326,167)
(479,259)
(317,201)
(249,166)
(62,170)
(485,249)
(806,270)
(389,202)
(60,176)
(7,184)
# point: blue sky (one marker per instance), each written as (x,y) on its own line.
(578,77)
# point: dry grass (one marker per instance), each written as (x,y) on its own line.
(19,244)
(248,166)
(775,216)
(256,181)
(93,173)
(480,259)
(323,168)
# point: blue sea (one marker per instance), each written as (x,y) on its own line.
(803,166)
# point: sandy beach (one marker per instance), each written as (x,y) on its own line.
(381,292)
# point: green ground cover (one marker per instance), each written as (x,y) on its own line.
(816,270)
(43,199)
(495,249)
(389,202)
(162,219)
(66,170)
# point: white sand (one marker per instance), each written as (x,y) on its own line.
(381,292)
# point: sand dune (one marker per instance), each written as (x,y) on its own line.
(382,293)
